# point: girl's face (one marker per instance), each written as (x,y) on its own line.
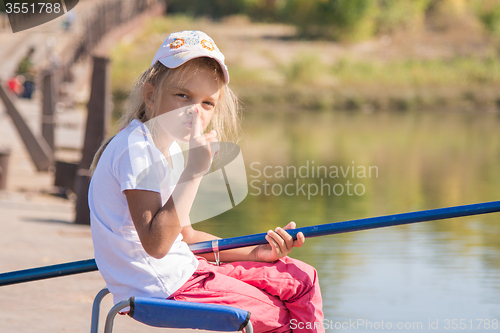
(179,103)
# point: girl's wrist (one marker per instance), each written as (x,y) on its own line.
(254,254)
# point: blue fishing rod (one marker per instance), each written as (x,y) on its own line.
(89,265)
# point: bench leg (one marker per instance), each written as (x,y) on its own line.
(108,328)
(96,308)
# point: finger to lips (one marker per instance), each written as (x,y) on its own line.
(196,130)
(193,124)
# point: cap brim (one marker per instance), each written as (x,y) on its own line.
(176,60)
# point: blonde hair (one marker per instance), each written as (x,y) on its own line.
(226,117)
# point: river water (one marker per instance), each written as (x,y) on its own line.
(426,277)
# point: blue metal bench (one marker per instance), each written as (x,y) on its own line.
(174,314)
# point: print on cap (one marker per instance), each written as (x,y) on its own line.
(183,46)
(177,43)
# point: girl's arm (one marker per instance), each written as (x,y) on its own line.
(158,226)
(280,243)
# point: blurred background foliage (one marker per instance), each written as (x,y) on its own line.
(352,20)
(320,55)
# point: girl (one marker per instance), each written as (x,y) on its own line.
(141,194)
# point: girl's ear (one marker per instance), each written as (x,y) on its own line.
(148,92)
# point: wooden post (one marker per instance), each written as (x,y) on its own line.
(48,108)
(39,150)
(4,167)
(98,119)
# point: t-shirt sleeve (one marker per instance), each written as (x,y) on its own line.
(141,166)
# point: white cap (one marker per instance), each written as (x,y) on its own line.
(180,47)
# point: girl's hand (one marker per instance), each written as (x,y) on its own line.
(280,244)
(200,154)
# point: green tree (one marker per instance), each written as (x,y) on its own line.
(488,12)
(333,19)
(394,15)
(210,8)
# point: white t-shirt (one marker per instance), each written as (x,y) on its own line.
(131,161)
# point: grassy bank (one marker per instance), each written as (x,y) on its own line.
(305,81)
(470,82)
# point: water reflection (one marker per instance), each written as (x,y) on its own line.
(424,273)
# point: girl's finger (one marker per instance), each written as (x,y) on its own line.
(274,246)
(287,238)
(300,240)
(279,241)
(211,135)
(196,129)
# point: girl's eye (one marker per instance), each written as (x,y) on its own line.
(181,95)
(209,104)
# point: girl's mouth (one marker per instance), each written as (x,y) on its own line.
(188,125)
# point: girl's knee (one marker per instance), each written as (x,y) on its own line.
(300,270)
